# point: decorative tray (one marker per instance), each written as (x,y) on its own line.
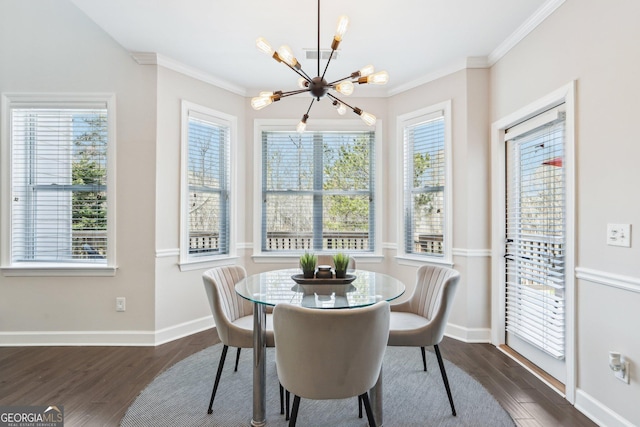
(301,280)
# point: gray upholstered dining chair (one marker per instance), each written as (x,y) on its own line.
(330,354)
(420,321)
(233,316)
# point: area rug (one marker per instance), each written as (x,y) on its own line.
(411,397)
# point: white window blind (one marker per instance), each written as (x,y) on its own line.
(535,239)
(59,185)
(318,191)
(208,185)
(424,184)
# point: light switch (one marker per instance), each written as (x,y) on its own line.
(619,235)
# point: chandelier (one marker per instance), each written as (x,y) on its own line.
(317,86)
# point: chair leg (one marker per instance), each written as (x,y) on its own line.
(367,407)
(424,359)
(237,360)
(223,356)
(294,411)
(444,379)
(359,407)
(281,400)
(287,411)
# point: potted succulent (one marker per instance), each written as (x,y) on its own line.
(341,263)
(308,264)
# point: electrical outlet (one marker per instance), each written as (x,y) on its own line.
(619,235)
(121,304)
(623,374)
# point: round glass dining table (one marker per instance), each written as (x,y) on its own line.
(359,289)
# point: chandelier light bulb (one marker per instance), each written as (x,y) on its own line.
(286,54)
(345,87)
(265,94)
(264,46)
(379,78)
(368,118)
(340,108)
(259,102)
(303,83)
(343,24)
(367,70)
(303,124)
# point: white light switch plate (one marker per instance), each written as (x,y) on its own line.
(619,235)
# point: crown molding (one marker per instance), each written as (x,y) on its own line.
(523,30)
(467,63)
(152,58)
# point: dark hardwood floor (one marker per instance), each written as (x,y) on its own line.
(96,385)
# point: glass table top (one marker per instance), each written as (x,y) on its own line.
(273,287)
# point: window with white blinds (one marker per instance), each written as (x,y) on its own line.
(535,232)
(425,204)
(59,193)
(207,179)
(318,191)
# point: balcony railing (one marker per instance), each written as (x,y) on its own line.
(428,243)
(85,242)
(284,241)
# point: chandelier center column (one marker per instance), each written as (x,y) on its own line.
(318,87)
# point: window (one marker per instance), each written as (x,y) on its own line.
(60,173)
(427,183)
(206,183)
(318,191)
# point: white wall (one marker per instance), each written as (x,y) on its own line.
(469,95)
(596,44)
(51,47)
(181,305)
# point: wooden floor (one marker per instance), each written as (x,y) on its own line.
(96,385)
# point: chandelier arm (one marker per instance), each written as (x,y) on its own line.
(335,98)
(299,72)
(328,62)
(294,92)
(310,105)
(333,83)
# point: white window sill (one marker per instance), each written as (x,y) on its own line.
(202,264)
(414,260)
(59,270)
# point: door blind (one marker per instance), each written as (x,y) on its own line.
(535,235)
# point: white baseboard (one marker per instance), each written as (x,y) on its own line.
(182,330)
(597,412)
(104,338)
(77,338)
(468,335)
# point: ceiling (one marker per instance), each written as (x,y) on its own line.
(414,40)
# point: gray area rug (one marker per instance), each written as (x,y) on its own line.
(180,396)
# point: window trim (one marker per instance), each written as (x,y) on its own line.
(410,119)
(187,262)
(53,100)
(320,125)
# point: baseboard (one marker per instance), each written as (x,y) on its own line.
(597,412)
(468,335)
(77,338)
(104,338)
(182,330)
